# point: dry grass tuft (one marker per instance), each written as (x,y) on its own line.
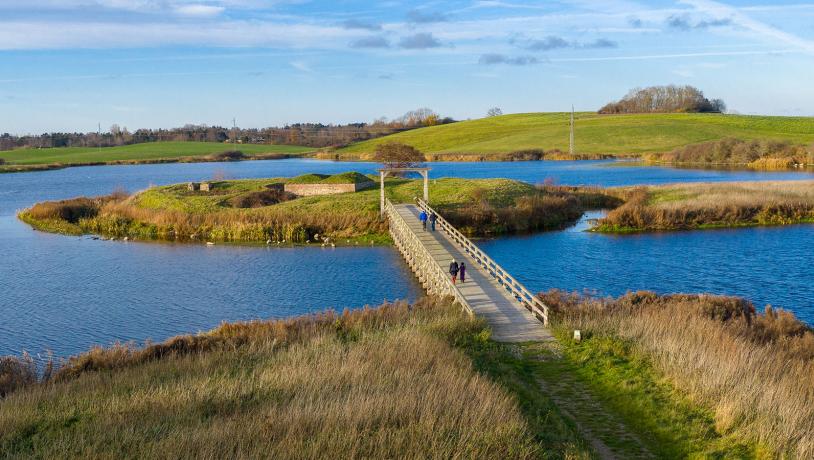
(689,206)
(766,154)
(373,383)
(753,370)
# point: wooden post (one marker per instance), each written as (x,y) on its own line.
(426,175)
(381,192)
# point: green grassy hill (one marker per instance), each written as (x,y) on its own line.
(595,134)
(138,152)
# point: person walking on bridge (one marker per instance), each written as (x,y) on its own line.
(433,218)
(453,270)
(423,218)
(462,271)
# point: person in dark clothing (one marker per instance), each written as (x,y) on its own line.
(453,270)
(433,218)
(423,218)
(462,271)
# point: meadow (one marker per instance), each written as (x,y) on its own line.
(521,136)
(751,372)
(373,383)
(249,211)
(714,205)
(666,377)
(137,153)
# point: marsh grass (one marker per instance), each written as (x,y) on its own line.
(372,383)
(691,206)
(756,154)
(753,370)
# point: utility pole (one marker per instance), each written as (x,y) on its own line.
(234,132)
(571,144)
(99,137)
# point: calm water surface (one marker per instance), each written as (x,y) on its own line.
(68,293)
(769,265)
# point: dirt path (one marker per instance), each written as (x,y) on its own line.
(607,434)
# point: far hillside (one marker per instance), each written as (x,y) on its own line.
(146,152)
(635,134)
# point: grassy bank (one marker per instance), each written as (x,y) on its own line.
(396,381)
(251,211)
(509,136)
(763,155)
(391,382)
(153,152)
(750,371)
(714,205)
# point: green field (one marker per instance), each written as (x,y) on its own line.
(595,134)
(138,152)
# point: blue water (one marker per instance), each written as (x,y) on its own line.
(68,293)
(768,265)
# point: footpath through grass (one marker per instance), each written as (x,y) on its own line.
(145,152)
(494,137)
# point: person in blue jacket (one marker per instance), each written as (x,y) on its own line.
(423,218)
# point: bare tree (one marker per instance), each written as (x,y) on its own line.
(664,99)
(398,155)
(494,112)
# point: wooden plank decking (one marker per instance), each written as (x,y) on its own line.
(508,319)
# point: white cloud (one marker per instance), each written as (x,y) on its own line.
(716,9)
(200,11)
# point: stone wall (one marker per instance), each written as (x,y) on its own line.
(326,189)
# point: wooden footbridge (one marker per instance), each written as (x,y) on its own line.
(513,313)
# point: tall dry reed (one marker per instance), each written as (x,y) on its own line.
(688,206)
(374,383)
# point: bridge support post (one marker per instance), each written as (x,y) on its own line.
(426,175)
(382,175)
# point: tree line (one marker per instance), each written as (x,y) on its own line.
(306,134)
(665,99)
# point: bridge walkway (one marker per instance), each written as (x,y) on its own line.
(485,295)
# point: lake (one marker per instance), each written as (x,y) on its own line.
(68,293)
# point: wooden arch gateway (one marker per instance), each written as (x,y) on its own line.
(384,172)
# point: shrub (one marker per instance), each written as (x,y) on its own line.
(398,155)
(260,198)
(229,155)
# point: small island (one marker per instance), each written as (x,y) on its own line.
(312,209)
(710,205)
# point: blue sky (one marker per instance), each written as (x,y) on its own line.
(68,64)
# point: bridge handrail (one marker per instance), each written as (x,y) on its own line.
(503,277)
(440,275)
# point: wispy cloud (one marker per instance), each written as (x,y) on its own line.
(425,17)
(496,58)
(199,11)
(684,22)
(553,42)
(715,9)
(370,42)
(359,24)
(421,40)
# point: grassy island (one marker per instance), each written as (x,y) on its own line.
(654,376)
(711,205)
(260,210)
(152,152)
